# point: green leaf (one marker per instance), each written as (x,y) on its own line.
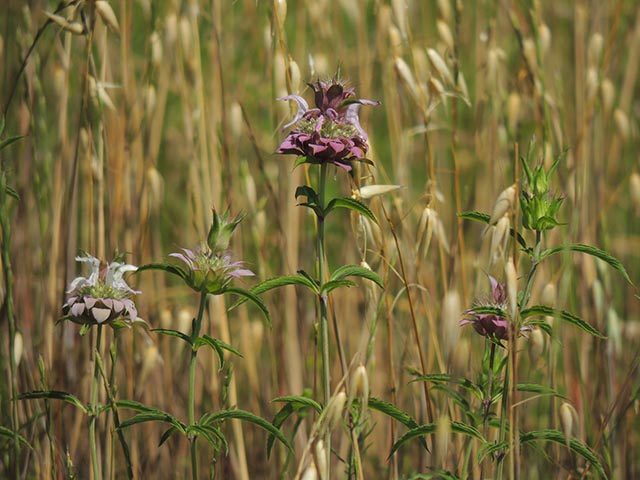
(293,404)
(282,281)
(11,192)
(438,378)
(539,389)
(54,395)
(250,418)
(313,201)
(430,428)
(156,416)
(253,298)
(299,401)
(8,141)
(486,310)
(217,345)
(167,434)
(135,406)
(490,448)
(10,434)
(574,445)
(541,324)
(543,310)
(333,284)
(209,432)
(173,333)
(589,250)
(165,267)
(485,218)
(356,271)
(351,204)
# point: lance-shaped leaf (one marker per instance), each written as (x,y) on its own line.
(574,445)
(173,333)
(253,298)
(154,416)
(313,201)
(345,271)
(430,428)
(589,250)
(217,345)
(302,278)
(11,435)
(544,310)
(165,267)
(293,404)
(486,219)
(394,412)
(350,204)
(245,416)
(54,395)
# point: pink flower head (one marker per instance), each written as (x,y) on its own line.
(330,132)
(489,324)
(210,271)
(104,297)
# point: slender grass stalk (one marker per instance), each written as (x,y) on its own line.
(5,228)
(197,324)
(95,465)
(486,403)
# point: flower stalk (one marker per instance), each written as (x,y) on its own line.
(197,324)
(95,466)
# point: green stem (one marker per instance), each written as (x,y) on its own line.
(5,228)
(487,398)
(324,322)
(109,386)
(197,324)
(94,407)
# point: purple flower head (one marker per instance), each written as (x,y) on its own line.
(330,132)
(209,271)
(104,297)
(489,324)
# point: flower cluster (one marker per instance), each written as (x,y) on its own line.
(103,297)
(331,132)
(210,266)
(210,271)
(490,324)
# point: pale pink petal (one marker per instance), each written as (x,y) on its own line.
(101,314)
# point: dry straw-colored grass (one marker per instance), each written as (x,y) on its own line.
(133,134)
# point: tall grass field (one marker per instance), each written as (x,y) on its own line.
(319,239)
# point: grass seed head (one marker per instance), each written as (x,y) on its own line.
(107,15)
(443,439)
(450,320)
(280,12)
(596,44)
(18,348)
(445,35)
(514,104)
(444,10)
(511,278)
(621,121)
(156,49)
(544,36)
(440,67)
(568,420)
(608,95)
(535,345)
(504,204)
(634,191)
(320,454)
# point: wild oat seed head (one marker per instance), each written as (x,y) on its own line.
(535,345)
(170,31)
(634,191)
(450,321)
(512,286)
(596,44)
(156,49)
(568,420)
(621,121)
(504,204)
(514,104)
(544,35)
(107,15)
(18,348)
(499,238)
(442,439)
(608,95)
(321,459)
(280,12)
(440,67)
(445,35)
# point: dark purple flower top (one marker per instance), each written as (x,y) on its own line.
(487,324)
(331,132)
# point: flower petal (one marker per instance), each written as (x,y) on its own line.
(303,106)
(101,314)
